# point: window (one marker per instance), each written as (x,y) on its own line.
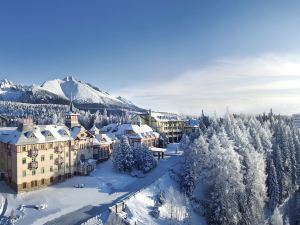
(24,173)
(50,145)
(43,181)
(67,165)
(42,146)
(33,172)
(23,148)
(24,161)
(67,154)
(24,185)
(42,170)
(32,136)
(51,156)
(42,158)
(51,168)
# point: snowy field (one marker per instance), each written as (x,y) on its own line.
(102,187)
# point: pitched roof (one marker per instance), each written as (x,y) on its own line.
(138,131)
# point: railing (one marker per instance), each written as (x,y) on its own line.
(58,150)
(33,153)
(59,161)
(33,165)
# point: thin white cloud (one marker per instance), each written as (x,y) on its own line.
(248,85)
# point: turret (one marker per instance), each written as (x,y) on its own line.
(71,117)
(150,117)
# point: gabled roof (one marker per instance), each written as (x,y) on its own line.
(78,129)
(102,139)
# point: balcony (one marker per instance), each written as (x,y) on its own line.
(33,165)
(33,153)
(59,161)
(58,150)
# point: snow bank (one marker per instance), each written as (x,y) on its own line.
(2,200)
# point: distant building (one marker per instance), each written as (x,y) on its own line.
(296,120)
(137,134)
(192,126)
(33,156)
(3,121)
(168,124)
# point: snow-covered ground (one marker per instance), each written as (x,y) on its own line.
(139,207)
(63,197)
(103,187)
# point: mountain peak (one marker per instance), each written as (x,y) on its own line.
(61,91)
(4,83)
(69,78)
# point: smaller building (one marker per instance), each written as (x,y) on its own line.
(168,124)
(296,120)
(3,121)
(192,127)
(102,147)
(158,152)
(137,134)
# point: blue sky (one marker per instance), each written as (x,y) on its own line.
(143,49)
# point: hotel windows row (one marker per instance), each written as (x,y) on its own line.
(45,146)
(42,158)
(33,172)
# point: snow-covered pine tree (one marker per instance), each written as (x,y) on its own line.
(272,184)
(226,185)
(122,155)
(143,158)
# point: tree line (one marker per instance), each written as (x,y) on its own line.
(246,167)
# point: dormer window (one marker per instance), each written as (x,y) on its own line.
(47,133)
(30,135)
(63,132)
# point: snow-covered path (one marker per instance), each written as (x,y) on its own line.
(69,205)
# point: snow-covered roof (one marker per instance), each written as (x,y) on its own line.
(102,139)
(132,131)
(34,134)
(109,127)
(94,129)
(76,130)
(163,116)
(154,149)
(193,123)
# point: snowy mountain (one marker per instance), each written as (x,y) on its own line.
(6,84)
(59,91)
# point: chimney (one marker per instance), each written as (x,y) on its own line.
(25,123)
